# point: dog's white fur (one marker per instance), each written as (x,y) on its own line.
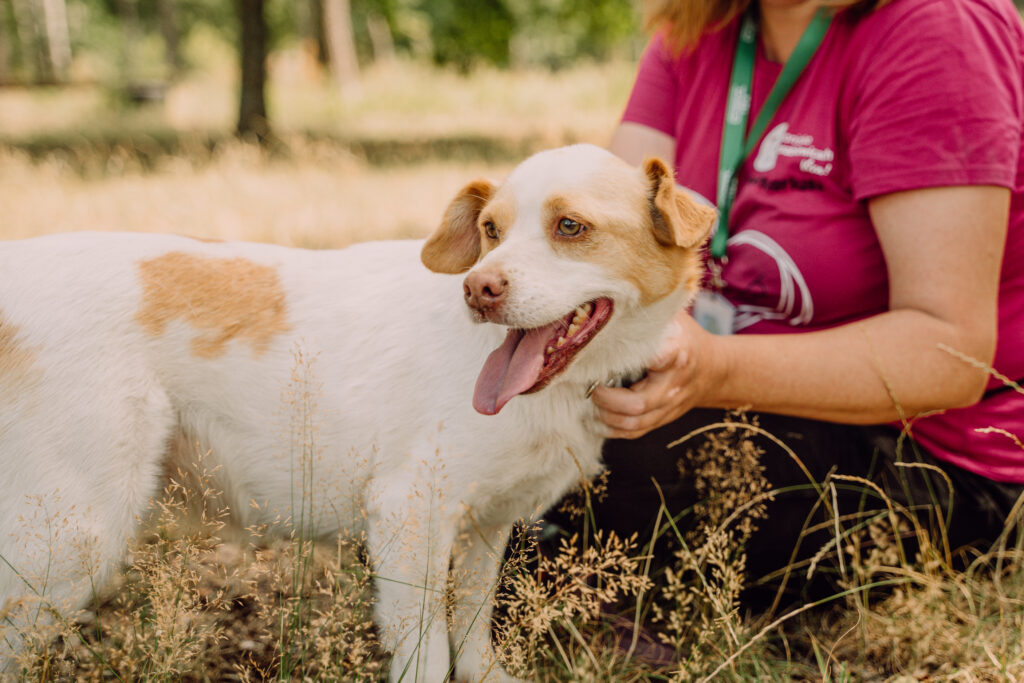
(91,398)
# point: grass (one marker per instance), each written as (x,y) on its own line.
(326,198)
(382,166)
(198,601)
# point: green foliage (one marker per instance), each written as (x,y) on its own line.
(123,39)
(463,36)
(365,11)
(556,33)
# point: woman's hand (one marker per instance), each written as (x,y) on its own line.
(679,378)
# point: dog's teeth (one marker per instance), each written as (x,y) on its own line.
(550,349)
(573,329)
(587,308)
(578,320)
(561,341)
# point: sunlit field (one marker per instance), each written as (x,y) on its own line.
(319,198)
(200,600)
(81,163)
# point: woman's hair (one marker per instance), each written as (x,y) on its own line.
(685,21)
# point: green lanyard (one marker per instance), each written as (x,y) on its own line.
(735,149)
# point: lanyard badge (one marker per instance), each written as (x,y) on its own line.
(737,144)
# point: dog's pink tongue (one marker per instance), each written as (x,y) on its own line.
(511,369)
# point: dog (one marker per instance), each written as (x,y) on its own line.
(453,398)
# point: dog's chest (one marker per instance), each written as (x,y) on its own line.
(524,477)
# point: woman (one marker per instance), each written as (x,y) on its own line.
(873,261)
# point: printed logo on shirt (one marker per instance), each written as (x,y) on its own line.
(780,142)
(791,183)
(794,304)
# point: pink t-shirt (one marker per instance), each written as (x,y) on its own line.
(920,93)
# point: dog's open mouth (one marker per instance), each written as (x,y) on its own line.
(529,359)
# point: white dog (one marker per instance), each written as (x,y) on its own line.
(113,345)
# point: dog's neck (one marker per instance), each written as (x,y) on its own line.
(623,356)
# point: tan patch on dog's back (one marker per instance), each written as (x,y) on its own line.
(16,361)
(223,298)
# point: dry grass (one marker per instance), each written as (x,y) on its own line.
(320,195)
(326,199)
(285,604)
(196,603)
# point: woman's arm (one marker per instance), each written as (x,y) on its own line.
(943,248)
(634,142)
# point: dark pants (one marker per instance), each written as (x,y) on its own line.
(972,513)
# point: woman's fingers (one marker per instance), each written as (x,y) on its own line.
(662,396)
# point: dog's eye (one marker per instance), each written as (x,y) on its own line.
(491,230)
(569,227)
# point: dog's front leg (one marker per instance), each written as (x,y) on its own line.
(476,568)
(409,540)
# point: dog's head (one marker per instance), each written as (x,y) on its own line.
(573,237)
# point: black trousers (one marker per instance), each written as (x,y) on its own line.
(642,473)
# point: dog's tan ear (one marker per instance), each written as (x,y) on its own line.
(678,219)
(455,245)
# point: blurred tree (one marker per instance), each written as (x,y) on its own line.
(341,45)
(12,48)
(310,22)
(123,38)
(556,33)
(5,48)
(168,15)
(252,112)
(38,30)
(128,12)
(553,33)
(377,28)
(464,34)
(381,39)
(54,15)
(32,38)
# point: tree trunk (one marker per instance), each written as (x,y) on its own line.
(129,12)
(18,51)
(252,114)
(168,11)
(58,38)
(28,27)
(381,39)
(5,48)
(311,27)
(342,46)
